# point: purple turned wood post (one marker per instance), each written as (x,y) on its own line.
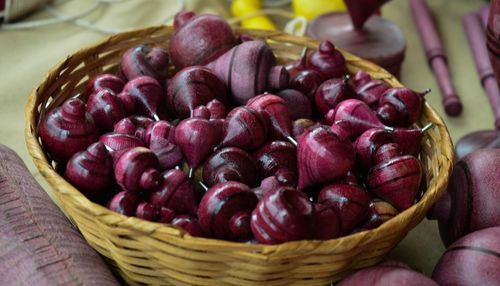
(435,55)
(476,37)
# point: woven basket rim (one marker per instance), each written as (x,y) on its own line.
(147,227)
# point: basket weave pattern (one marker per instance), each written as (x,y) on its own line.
(153,253)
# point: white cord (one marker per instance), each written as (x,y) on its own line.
(297,26)
(46,22)
(60,17)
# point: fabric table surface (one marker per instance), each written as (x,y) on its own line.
(26,55)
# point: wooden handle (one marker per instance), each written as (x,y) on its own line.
(435,55)
(476,37)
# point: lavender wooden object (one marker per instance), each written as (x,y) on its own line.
(249,69)
(381,275)
(476,38)
(493,37)
(199,40)
(40,246)
(473,260)
(469,202)
(435,55)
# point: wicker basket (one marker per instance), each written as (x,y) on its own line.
(153,253)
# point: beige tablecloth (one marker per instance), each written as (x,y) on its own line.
(26,55)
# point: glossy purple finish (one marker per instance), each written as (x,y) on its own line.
(296,66)
(67,129)
(379,212)
(283,215)
(245,128)
(91,172)
(225,211)
(106,109)
(182,17)
(117,143)
(137,170)
(165,215)
(327,61)
(395,178)
(327,221)
(199,40)
(277,109)
(330,93)
(306,81)
(162,137)
(298,104)
(323,156)
(144,61)
(196,137)
(217,109)
(134,125)
(409,139)
(367,145)
(400,106)
(191,87)
(145,93)
(175,193)
(357,117)
(367,89)
(125,203)
(231,164)
(105,80)
(147,211)
(276,156)
(351,202)
(189,224)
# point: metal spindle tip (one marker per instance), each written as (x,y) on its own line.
(427,127)
(292,140)
(205,188)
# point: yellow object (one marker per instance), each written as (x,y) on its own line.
(241,8)
(312,8)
